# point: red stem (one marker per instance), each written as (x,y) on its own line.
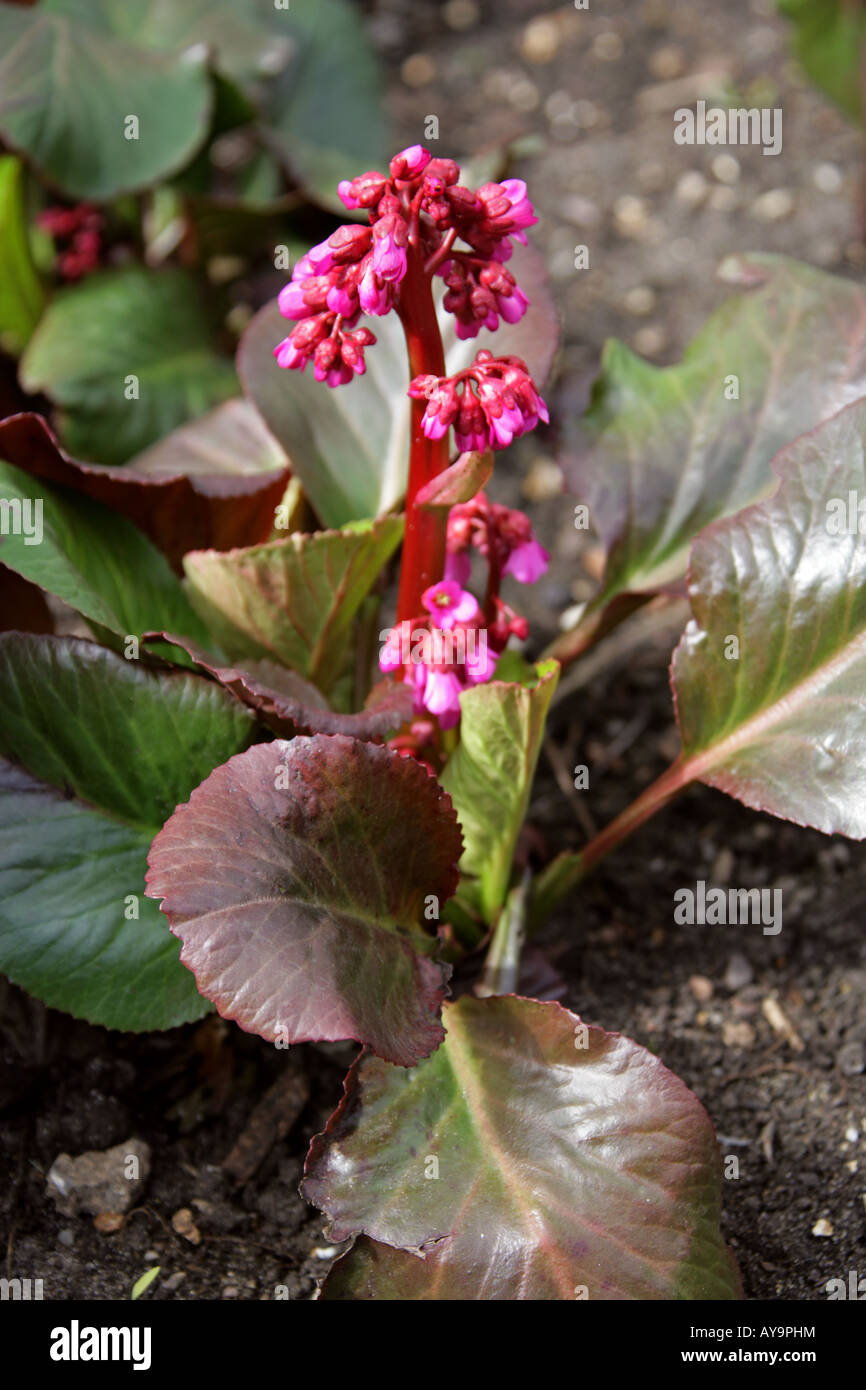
(423,561)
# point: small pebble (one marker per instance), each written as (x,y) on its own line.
(418,70)
(229,1291)
(723,199)
(650,341)
(667,63)
(738,973)
(851,1059)
(701,988)
(722,866)
(524,95)
(630,214)
(827,178)
(773,205)
(640,301)
(66,1237)
(174,1280)
(151,1256)
(692,188)
(183,1223)
(324,1252)
(608,46)
(726,168)
(823,1227)
(107,1222)
(540,41)
(461,14)
(738,1033)
(852,1134)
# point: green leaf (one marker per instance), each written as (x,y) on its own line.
(144,1281)
(350,445)
(829,41)
(216,481)
(293,600)
(770,674)
(325,116)
(22,297)
(66,93)
(103,751)
(489,777)
(297,878)
(242,45)
(290,705)
(92,559)
(459,483)
(665,451)
(531,1157)
(127,356)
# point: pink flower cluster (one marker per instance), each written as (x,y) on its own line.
(503,535)
(439,669)
(449,654)
(359,268)
(489,404)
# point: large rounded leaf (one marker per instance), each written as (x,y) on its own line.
(94,560)
(290,705)
(297,878)
(243,47)
(830,42)
(293,600)
(67,94)
(102,750)
(531,1157)
(770,674)
(325,118)
(664,451)
(214,482)
(127,356)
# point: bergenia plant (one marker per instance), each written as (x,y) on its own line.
(334,748)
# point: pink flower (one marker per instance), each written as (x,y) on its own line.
(512,306)
(528,562)
(481,666)
(441,410)
(449,604)
(507,210)
(288,355)
(292,302)
(392,656)
(441,696)
(363,191)
(410,163)
(390,239)
(374,294)
(470,432)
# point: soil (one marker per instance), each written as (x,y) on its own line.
(587,97)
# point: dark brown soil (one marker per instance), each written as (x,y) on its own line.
(790,1107)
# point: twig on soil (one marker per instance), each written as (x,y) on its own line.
(270,1121)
